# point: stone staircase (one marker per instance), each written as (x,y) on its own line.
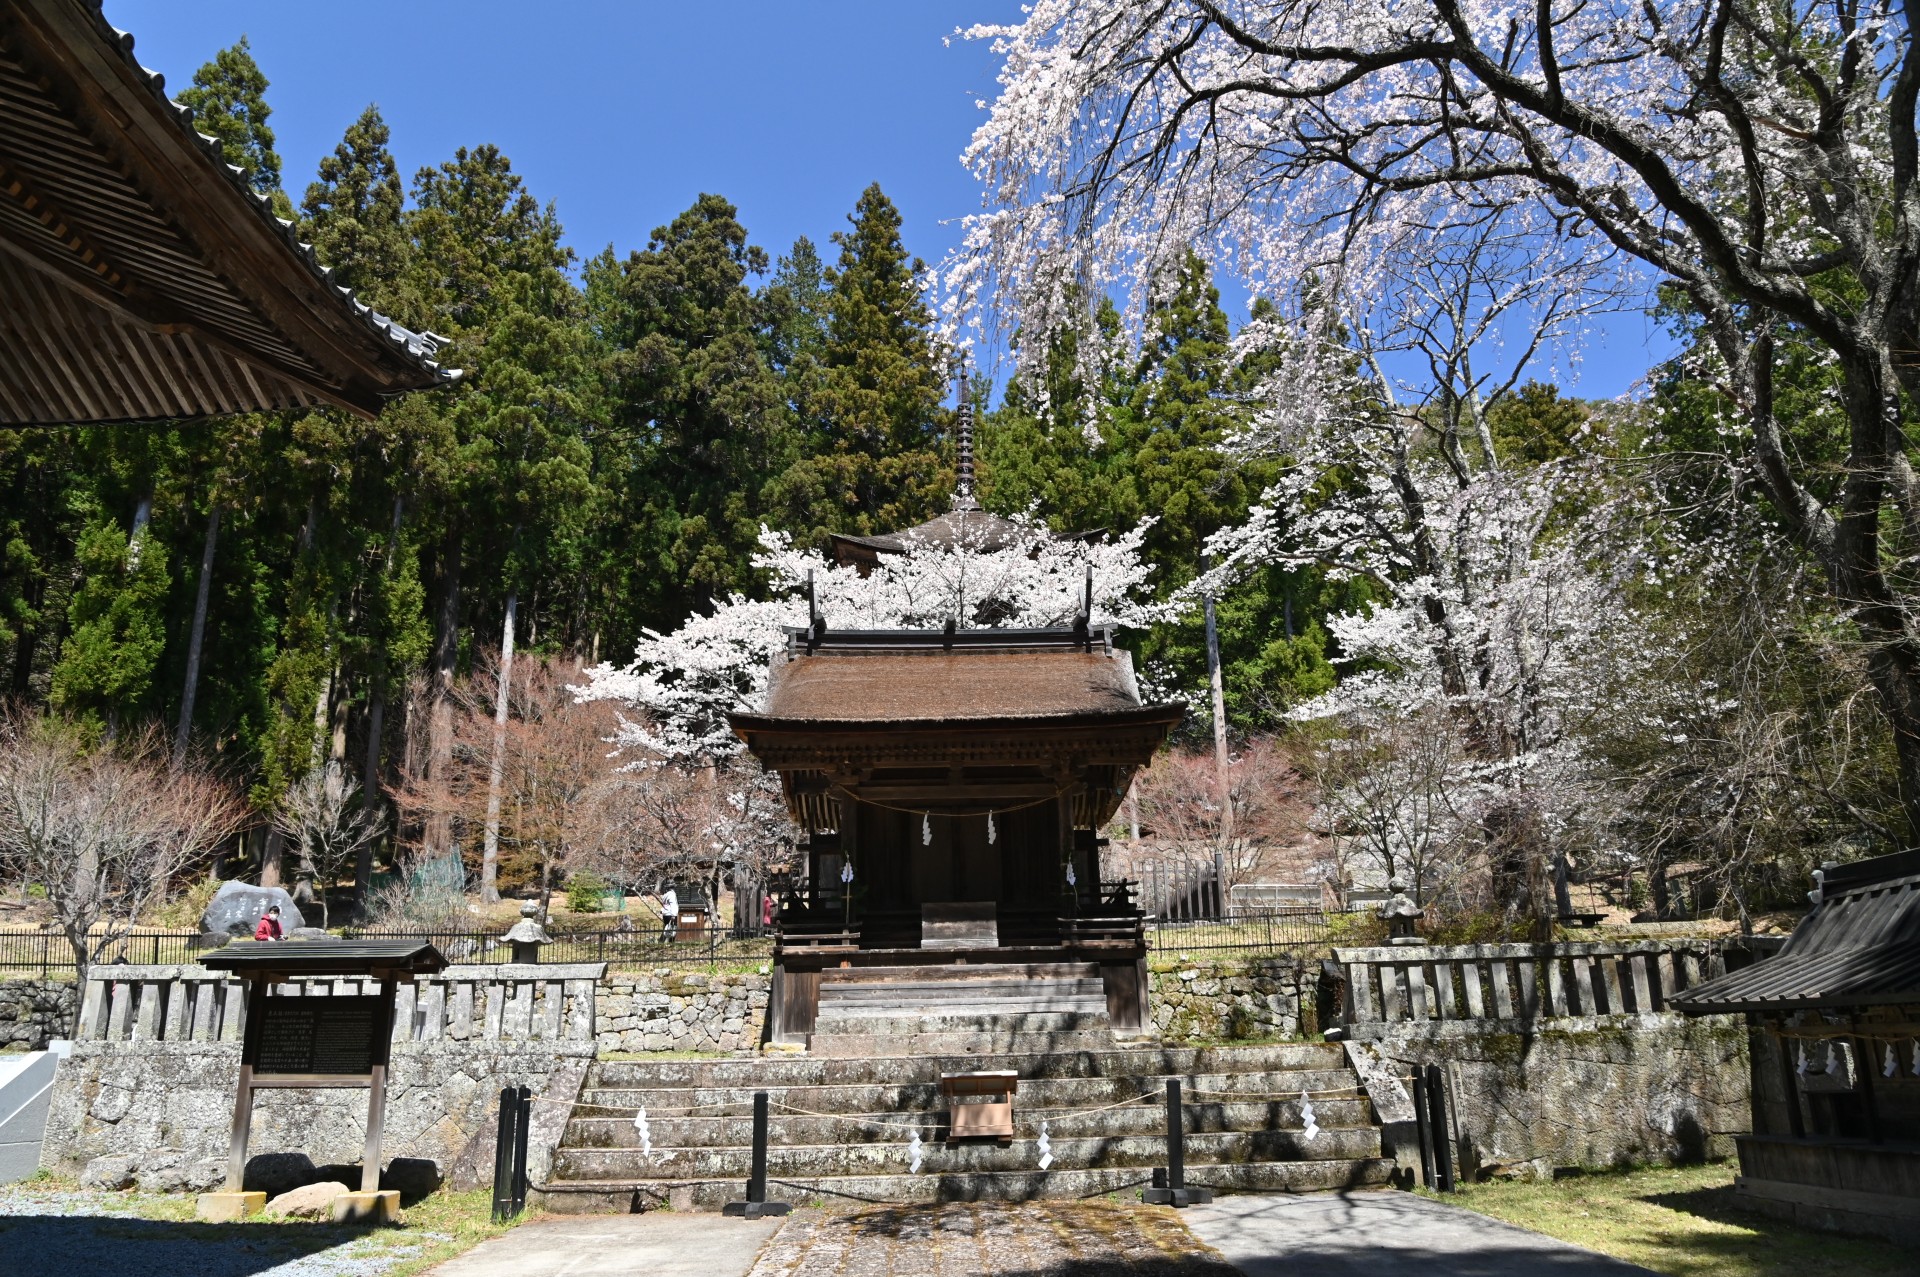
(961,1010)
(849,1139)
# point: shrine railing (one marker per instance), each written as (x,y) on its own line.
(1516,983)
(503,1003)
(1284,930)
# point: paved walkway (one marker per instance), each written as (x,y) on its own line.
(1316,1235)
(1356,1234)
(661,1244)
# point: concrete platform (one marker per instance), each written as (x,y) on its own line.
(1369,1233)
(663,1244)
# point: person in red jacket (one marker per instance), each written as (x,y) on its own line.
(269,928)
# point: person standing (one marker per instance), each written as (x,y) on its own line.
(669,914)
(269,928)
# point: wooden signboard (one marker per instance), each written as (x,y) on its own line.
(328,1036)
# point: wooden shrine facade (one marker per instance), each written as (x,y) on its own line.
(1835,1048)
(951,786)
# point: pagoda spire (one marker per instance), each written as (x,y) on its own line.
(963,498)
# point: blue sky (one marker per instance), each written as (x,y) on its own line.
(623,113)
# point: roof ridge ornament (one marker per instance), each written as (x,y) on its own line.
(963,498)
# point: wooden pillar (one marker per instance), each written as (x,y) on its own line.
(1864,1064)
(849,848)
(243,1098)
(377,1087)
(1789,1083)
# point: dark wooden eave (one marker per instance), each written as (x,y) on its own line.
(326,957)
(140,277)
(974,719)
(1858,948)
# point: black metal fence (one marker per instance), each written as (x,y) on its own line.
(620,946)
(46,952)
(1263,931)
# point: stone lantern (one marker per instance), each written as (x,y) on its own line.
(527,935)
(1401,914)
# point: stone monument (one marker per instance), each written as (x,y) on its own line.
(527,935)
(1401,914)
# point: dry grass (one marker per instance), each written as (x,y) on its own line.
(1685,1222)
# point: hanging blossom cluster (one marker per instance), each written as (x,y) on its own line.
(1506,628)
(1296,140)
(681,686)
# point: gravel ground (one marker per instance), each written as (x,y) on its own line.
(48,1232)
(1035,1239)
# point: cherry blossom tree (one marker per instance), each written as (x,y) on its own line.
(1758,161)
(680,687)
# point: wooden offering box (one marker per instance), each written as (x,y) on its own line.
(980,1105)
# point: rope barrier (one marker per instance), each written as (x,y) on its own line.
(943,811)
(1344,1093)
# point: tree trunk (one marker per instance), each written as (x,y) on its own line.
(370,787)
(376,727)
(196,637)
(446,651)
(490,854)
(1218,689)
(303,883)
(270,857)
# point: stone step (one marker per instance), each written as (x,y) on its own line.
(961,1018)
(964,1009)
(1147,1118)
(630,1195)
(937,991)
(877,1097)
(966,1005)
(844,977)
(1107,1060)
(870,1043)
(974,1157)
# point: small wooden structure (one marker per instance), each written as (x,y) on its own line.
(690,923)
(1836,1054)
(141,278)
(340,1040)
(980,1105)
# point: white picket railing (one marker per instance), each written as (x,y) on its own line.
(1517,983)
(491,1003)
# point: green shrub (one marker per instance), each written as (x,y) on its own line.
(585,891)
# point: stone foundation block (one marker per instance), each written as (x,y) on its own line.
(381,1207)
(228,1208)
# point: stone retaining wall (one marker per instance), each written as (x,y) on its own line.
(1228,1000)
(157,1114)
(1610,1091)
(34,1012)
(681,1011)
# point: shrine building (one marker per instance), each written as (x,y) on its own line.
(950,785)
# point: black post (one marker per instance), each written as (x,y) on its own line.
(757,1176)
(503,1146)
(756,1206)
(1439,1127)
(1175,1191)
(1176,1137)
(1423,1129)
(523,1119)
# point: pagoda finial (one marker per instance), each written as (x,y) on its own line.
(963,498)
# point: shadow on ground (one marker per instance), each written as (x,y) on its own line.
(91,1245)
